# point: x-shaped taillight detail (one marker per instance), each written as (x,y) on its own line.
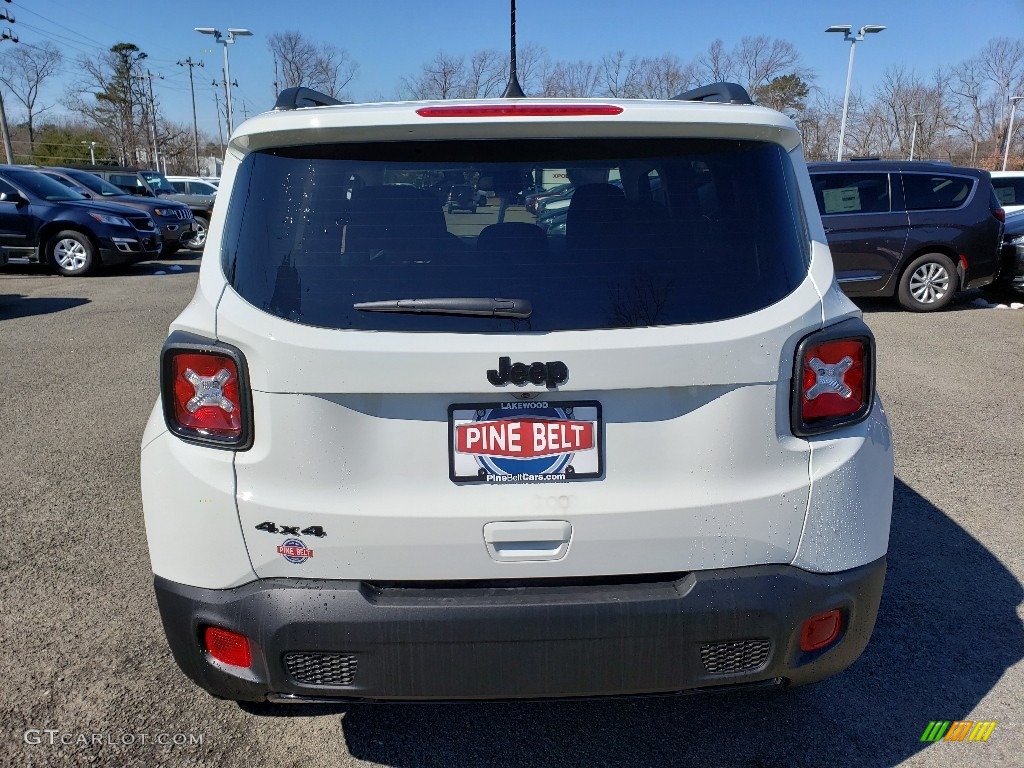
(209,390)
(829,378)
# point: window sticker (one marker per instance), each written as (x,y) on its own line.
(842,200)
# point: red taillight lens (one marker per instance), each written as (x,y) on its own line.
(206,394)
(833,382)
(520,110)
(1000,214)
(227,647)
(820,631)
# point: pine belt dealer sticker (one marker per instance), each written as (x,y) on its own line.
(294,551)
(525,442)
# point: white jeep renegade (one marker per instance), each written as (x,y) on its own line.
(407,454)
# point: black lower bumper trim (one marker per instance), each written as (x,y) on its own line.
(526,642)
(113,257)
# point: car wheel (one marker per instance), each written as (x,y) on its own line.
(198,239)
(71,253)
(928,283)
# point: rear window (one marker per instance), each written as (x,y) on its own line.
(929,191)
(656,232)
(1009,190)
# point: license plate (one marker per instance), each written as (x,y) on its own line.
(525,442)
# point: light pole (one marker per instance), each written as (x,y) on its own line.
(226,41)
(1009,129)
(867,29)
(913,136)
(92,150)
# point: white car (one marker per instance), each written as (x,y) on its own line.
(1009,186)
(194,185)
(394,461)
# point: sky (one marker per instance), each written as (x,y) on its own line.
(390,39)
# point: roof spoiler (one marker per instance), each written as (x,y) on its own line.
(726,93)
(300,98)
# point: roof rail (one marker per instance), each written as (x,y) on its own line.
(727,93)
(300,98)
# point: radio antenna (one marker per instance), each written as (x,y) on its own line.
(514,90)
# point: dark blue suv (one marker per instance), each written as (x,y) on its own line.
(914,230)
(44,221)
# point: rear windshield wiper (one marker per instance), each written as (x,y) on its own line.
(482,307)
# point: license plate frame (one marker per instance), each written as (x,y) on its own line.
(562,441)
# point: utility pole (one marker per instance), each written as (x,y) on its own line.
(220,132)
(195,125)
(227,100)
(6,35)
(152,112)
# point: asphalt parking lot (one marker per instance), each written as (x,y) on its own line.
(90,680)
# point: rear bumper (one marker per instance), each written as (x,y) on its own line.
(737,626)
(172,232)
(1011,264)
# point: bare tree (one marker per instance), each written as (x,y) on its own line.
(109,94)
(485,76)
(24,71)
(715,65)
(661,77)
(759,60)
(572,79)
(440,78)
(305,63)
(968,87)
(616,73)
(1001,63)
(903,100)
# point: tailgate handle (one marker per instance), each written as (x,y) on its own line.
(527,540)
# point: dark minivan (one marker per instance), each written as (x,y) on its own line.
(918,231)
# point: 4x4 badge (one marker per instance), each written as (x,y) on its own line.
(292,530)
(552,374)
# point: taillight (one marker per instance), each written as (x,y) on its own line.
(227,647)
(205,391)
(834,379)
(1000,214)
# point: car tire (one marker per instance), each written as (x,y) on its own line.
(928,283)
(198,238)
(71,253)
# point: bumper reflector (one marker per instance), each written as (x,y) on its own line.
(227,647)
(820,631)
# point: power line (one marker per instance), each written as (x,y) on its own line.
(76,32)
